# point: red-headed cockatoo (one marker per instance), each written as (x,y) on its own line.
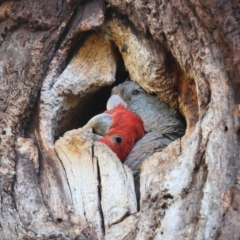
(120,129)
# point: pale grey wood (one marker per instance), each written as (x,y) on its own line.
(123,230)
(100,185)
(62,95)
(118,198)
(74,150)
(187,52)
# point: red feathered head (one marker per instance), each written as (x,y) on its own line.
(125,129)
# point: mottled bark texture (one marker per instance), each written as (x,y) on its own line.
(58,59)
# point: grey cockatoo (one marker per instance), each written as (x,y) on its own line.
(157,115)
(162,123)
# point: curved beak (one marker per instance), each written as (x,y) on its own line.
(114,101)
(100,123)
(96,137)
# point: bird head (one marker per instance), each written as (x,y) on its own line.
(129,92)
(120,129)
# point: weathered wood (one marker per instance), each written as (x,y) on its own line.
(194,43)
(26,192)
(24,55)
(124,230)
(118,197)
(145,61)
(75,150)
(88,165)
(61,98)
(187,52)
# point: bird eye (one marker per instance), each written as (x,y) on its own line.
(135,92)
(118,140)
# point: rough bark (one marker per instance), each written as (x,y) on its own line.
(56,57)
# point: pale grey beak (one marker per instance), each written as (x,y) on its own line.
(100,123)
(96,137)
(114,101)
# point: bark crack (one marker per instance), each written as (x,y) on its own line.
(99,190)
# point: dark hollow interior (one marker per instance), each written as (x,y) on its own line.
(92,105)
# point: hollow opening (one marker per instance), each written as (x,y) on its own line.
(59,220)
(95,103)
(92,104)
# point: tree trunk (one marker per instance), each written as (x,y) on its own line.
(59,61)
